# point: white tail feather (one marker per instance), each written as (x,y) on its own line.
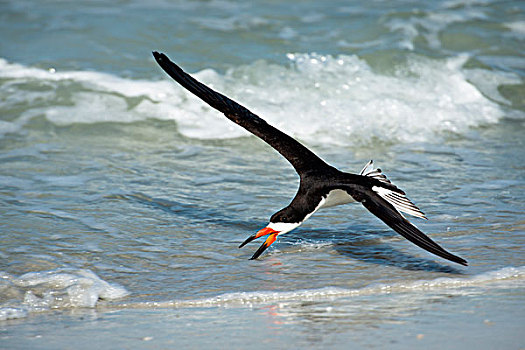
(369,171)
(398,200)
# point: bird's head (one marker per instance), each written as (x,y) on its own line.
(280,223)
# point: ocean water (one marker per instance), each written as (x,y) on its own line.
(123,198)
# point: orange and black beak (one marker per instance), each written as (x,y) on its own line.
(271,238)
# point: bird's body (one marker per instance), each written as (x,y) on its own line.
(321,185)
(336,197)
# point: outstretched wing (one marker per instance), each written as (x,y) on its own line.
(301,158)
(393,218)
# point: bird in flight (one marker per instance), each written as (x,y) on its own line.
(321,185)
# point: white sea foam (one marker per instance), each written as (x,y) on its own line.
(517,28)
(54,289)
(433,23)
(506,277)
(319,99)
(68,288)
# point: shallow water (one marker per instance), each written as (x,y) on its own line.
(123,198)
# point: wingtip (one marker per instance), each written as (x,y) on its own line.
(157,55)
(453,258)
(463,262)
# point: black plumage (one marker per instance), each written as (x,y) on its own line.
(317,178)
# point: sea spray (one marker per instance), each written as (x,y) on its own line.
(325,99)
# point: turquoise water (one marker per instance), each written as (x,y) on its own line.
(123,198)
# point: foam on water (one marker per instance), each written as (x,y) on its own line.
(431,25)
(79,288)
(517,28)
(54,289)
(319,99)
(506,277)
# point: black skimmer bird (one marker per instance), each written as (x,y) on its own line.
(321,185)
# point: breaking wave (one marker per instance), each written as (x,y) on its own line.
(505,276)
(53,289)
(319,99)
(77,288)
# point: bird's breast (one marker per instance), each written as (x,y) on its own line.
(336,197)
